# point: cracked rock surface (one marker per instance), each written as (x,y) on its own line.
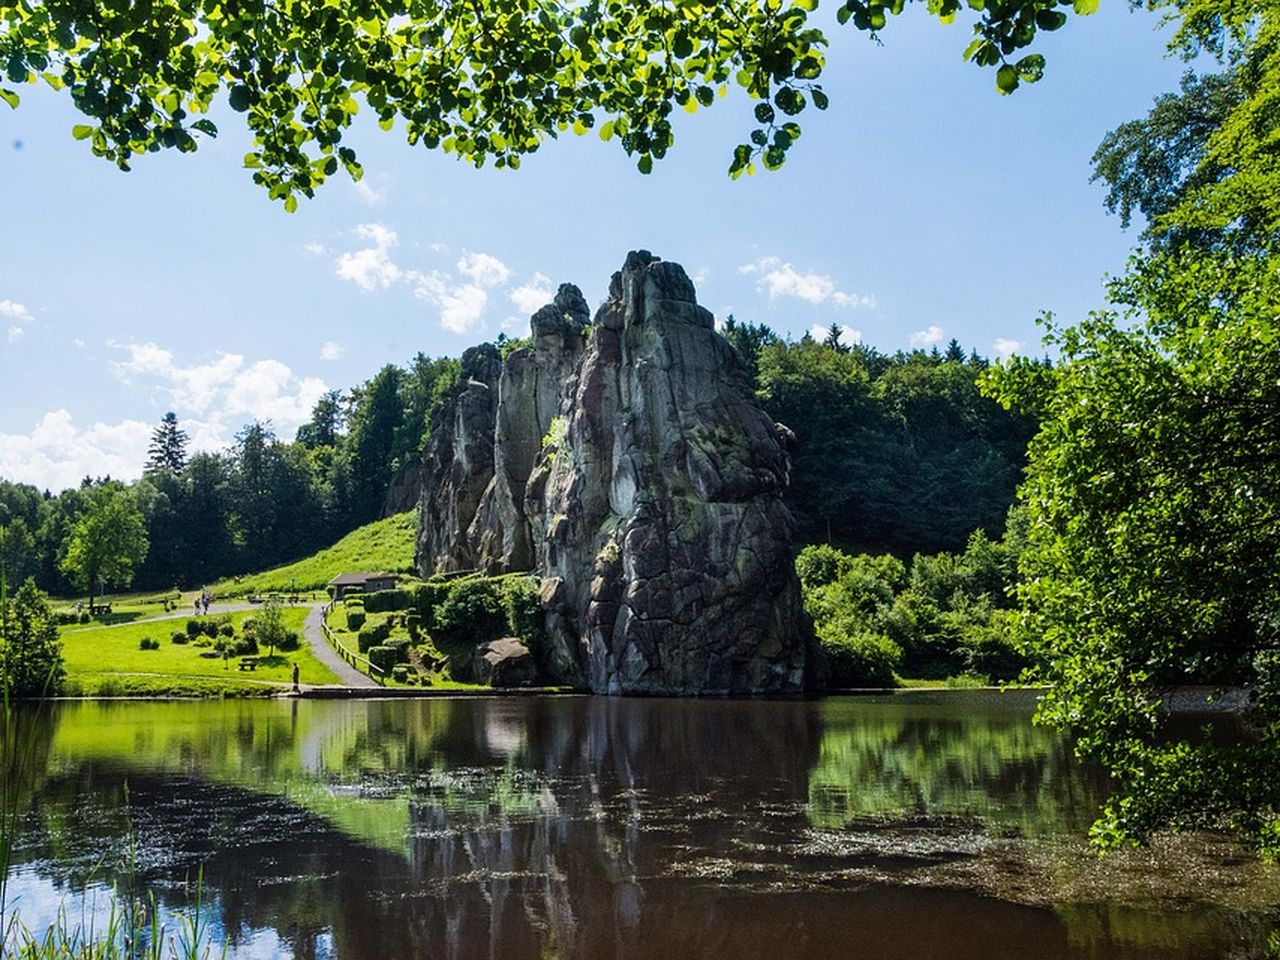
(626,462)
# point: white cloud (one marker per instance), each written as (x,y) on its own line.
(15,311)
(532,296)
(371,268)
(268,390)
(462,296)
(461,305)
(1006,348)
(779,279)
(15,333)
(213,400)
(927,337)
(227,390)
(192,388)
(369,193)
(79,344)
(57,454)
(848,335)
(314,248)
(483,269)
(331,350)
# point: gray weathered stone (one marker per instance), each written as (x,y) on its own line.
(634,472)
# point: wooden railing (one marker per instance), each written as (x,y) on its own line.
(345,652)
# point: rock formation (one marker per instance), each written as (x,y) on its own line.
(627,463)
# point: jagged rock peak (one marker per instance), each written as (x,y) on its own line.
(631,468)
(568,312)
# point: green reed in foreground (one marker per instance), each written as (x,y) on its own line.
(131,929)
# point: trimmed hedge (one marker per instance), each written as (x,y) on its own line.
(384,601)
(382,657)
(177,636)
(355,618)
(373,635)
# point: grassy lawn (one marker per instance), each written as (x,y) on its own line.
(384,545)
(108,660)
(126,608)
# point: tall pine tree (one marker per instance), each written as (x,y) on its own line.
(168,450)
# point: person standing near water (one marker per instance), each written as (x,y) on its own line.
(295,679)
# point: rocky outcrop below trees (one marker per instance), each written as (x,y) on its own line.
(626,462)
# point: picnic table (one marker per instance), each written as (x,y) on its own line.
(248,663)
(100,609)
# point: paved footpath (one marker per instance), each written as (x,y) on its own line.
(347,675)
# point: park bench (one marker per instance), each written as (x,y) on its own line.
(248,663)
(100,610)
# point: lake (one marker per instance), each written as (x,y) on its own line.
(922,825)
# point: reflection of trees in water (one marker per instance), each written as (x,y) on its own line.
(891,760)
(557,827)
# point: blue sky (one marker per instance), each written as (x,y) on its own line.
(919,207)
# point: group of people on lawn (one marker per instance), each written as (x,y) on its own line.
(202,602)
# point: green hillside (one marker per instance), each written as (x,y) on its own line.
(383,545)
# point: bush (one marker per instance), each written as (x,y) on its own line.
(194,628)
(355,618)
(177,636)
(820,564)
(473,613)
(226,630)
(427,598)
(211,628)
(525,616)
(245,646)
(861,660)
(147,643)
(289,642)
(65,618)
(401,646)
(400,673)
(383,601)
(384,658)
(373,635)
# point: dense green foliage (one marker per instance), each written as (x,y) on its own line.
(1154,497)
(30,653)
(1153,491)
(897,453)
(946,614)
(483,80)
(108,541)
(263,502)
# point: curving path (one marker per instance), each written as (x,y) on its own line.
(312,632)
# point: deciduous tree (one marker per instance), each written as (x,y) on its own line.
(107,542)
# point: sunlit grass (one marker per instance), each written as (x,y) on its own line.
(107,661)
(386,545)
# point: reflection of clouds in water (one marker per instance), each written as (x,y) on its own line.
(504,735)
(38,902)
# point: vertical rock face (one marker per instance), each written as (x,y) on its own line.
(631,468)
(459,464)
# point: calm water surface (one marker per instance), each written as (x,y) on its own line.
(929,825)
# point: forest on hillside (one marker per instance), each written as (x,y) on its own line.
(894,453)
